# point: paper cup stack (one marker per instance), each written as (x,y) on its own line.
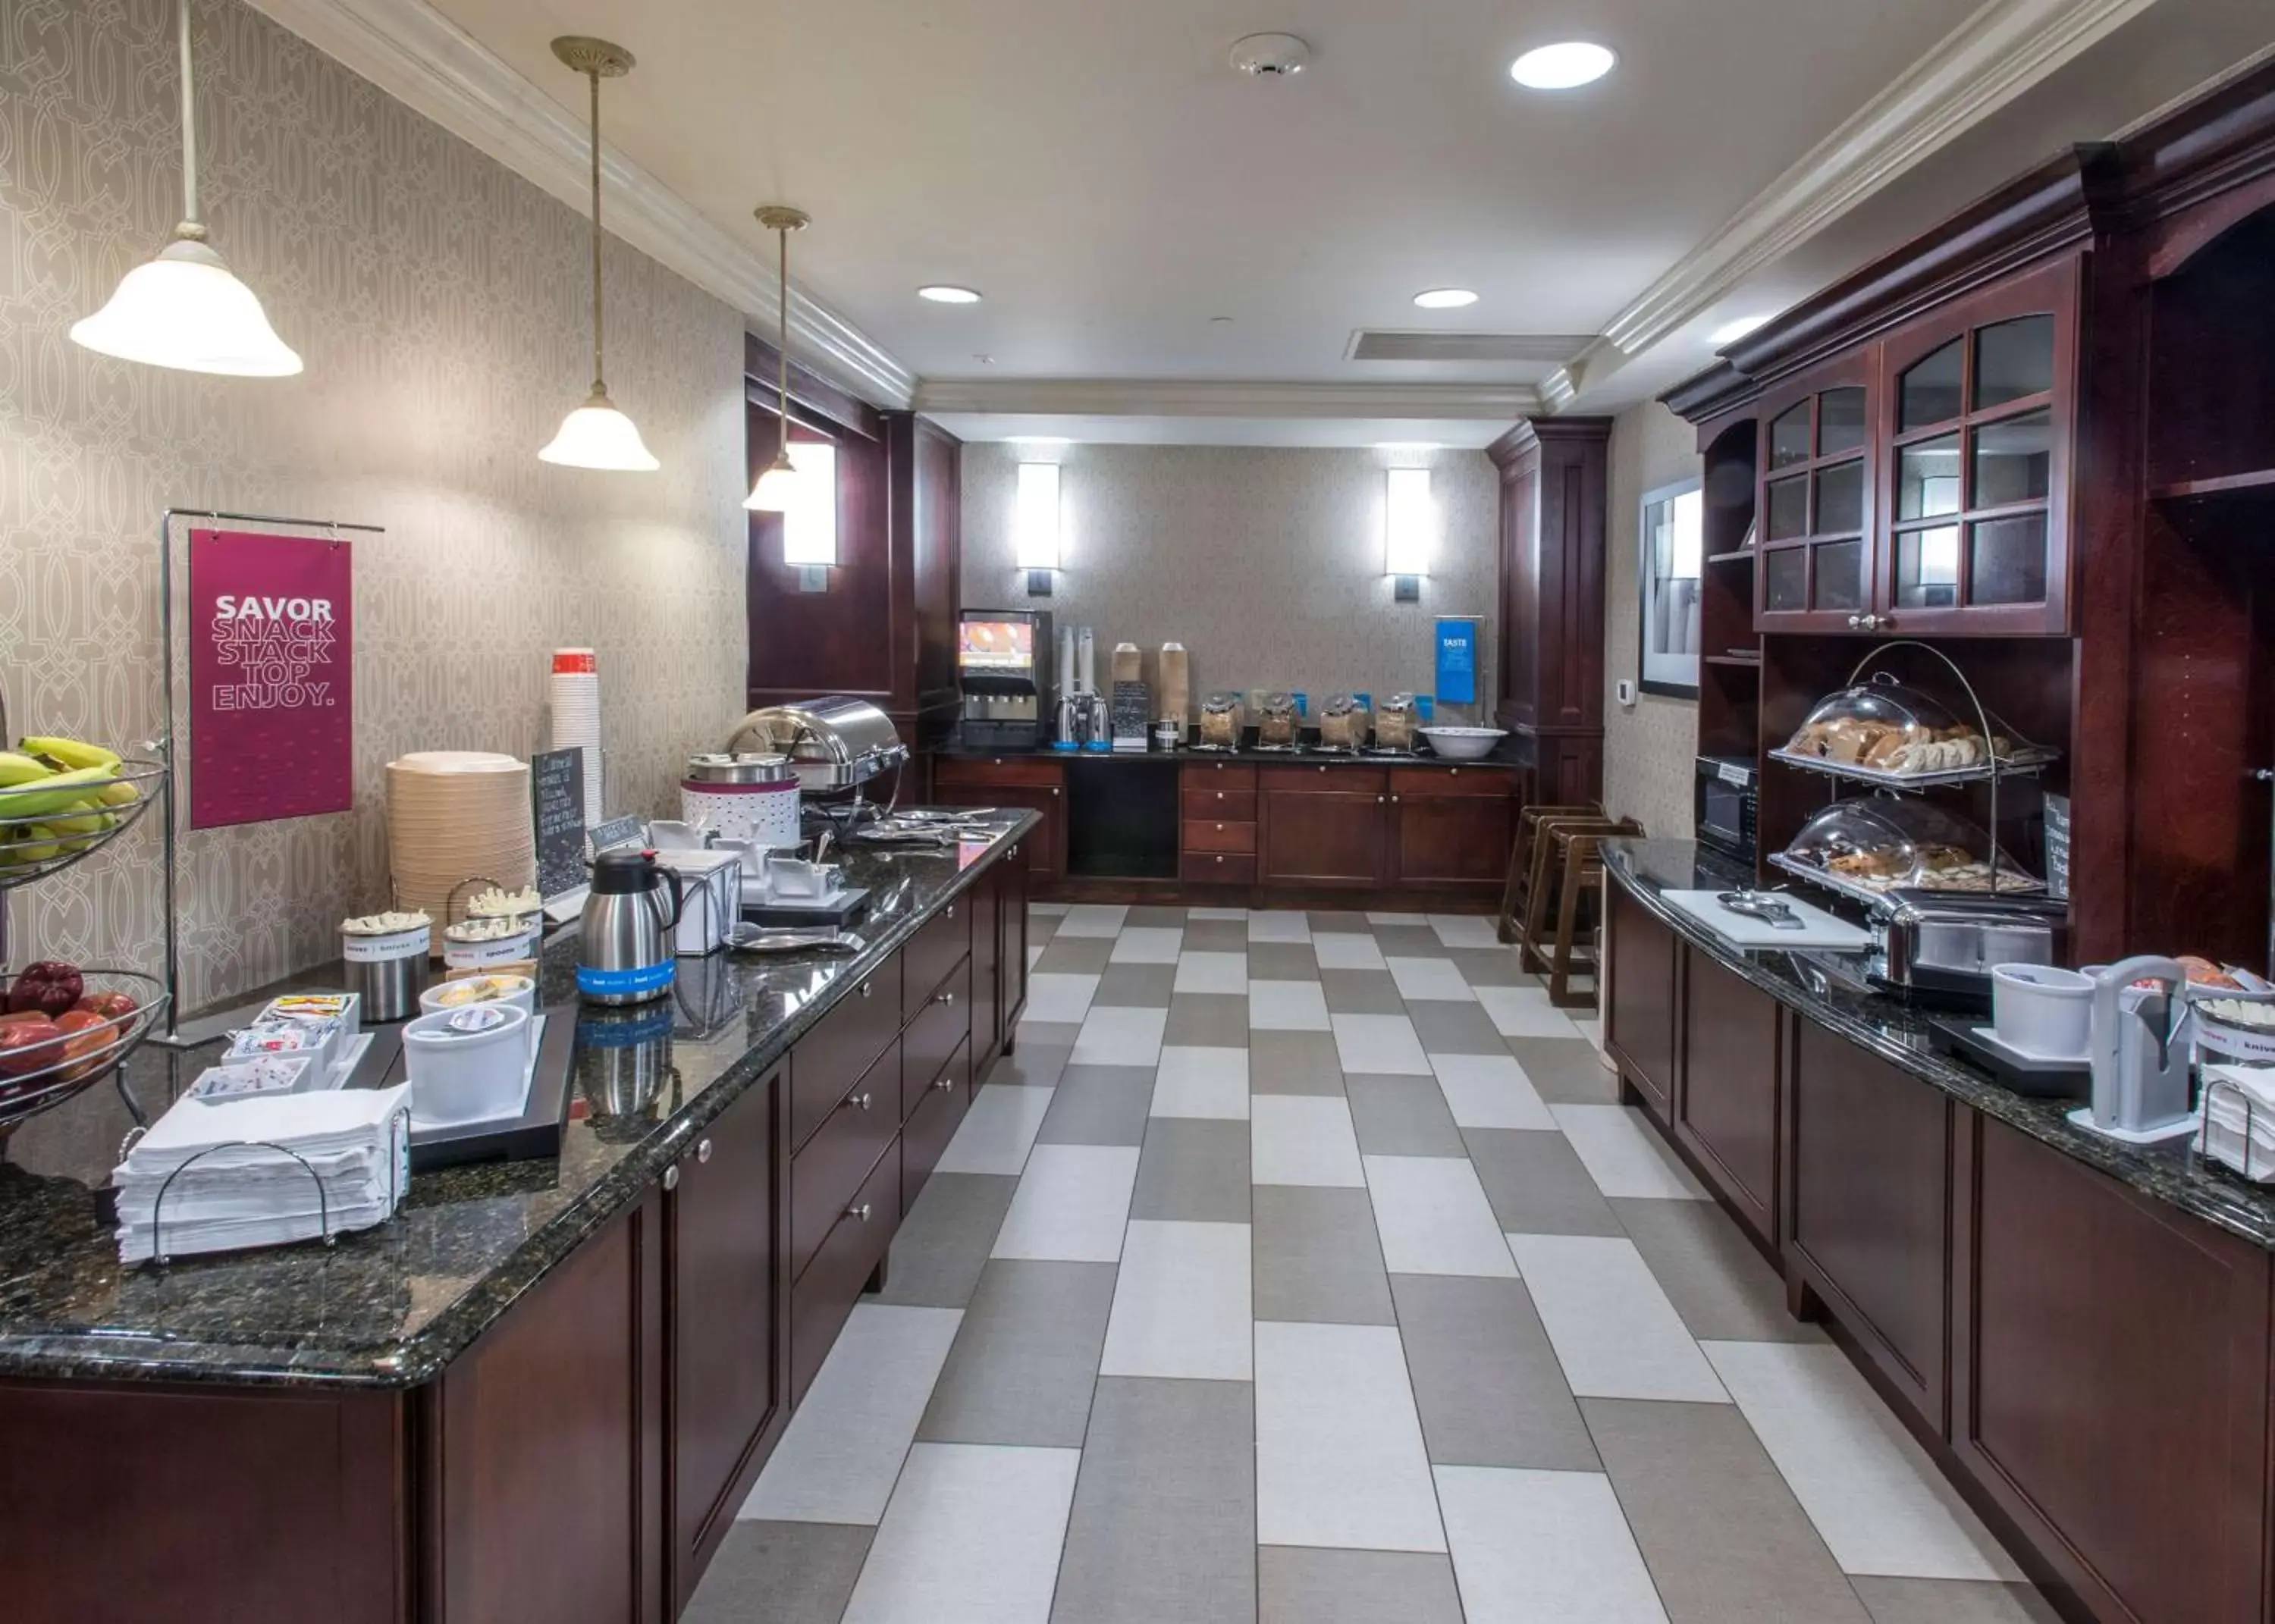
(454,815)
(575,695)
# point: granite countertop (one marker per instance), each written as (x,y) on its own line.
(390,1306)
(2170,1172)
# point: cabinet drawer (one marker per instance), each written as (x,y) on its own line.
(931,1123)
(938,945)
(1211,835)
(824,1174)
(1216,869)
(1450,780)
(1319,777)
(944,1022)
(827,1061)
(1229,805)
(1008,770)
(825,1295)
(1196,775)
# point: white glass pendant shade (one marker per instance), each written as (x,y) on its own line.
(187,310)
(776,489)
(597,436)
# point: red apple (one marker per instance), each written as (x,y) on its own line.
(109,1006)
(26,1046)
(86,1036)
(49,988)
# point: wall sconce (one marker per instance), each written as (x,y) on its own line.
(1038,525)
(810,519)
(1409,532)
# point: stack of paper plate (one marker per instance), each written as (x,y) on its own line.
(455,815)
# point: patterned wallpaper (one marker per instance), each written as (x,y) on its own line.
(1266,564)
(1651,748)
(438,302)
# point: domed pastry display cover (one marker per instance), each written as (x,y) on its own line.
(1875,845)
(1883,728)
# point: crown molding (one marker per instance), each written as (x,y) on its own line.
(1210,398)
(414,54)
(1979,67)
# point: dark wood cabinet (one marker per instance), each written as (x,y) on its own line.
(1815,562)
(1639,1026)
(724,1320)
(1554,488)
(1011,903)
(1451,826)
(1867,1208)
(1320,826)
(1726,1110)
(986,900)
(1036,785)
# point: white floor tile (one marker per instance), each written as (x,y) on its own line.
(1283,926)
(1212,972)
(1072,1203)
(998,1131)
(1287,1006)
(1397,918)
(1202,1081)
(1216,913)
(1339,1454)
(1489,1091)
(1614,1332)
(1433,1217)
(1536,1547)
(1878,1501)
(1591,1030)
(1465,930)
(1094,919)
(1117,1037)
(1346,950)
(1148,944)
(1429,978)
(1181,1304)
(1047,910)
(845,1444)
(1057,996)
(1032,955)
(973,1537)
(1525,1012)
(1384,1044)
(1624,1154)
(1302,1139)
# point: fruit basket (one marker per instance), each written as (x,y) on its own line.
(49,822)
(46,1059)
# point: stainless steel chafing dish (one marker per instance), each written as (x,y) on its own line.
(832,744)
(1942,945)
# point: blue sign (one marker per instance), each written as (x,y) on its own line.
(1457,661)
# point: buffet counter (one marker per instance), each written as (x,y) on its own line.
(2077,1328)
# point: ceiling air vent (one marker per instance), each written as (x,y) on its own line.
(1539,348)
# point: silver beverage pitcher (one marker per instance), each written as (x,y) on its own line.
(625,952)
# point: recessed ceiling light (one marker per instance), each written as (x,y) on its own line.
(1730,332)
(1445,299)
(1563,65)
(947,293)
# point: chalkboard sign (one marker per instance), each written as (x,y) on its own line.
(556,798)
(1130,711)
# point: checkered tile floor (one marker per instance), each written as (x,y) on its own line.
(1305,1267)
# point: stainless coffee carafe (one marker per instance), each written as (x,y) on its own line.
(626,951)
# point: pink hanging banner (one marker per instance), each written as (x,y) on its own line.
(272,665)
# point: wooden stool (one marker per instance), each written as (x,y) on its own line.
(1514,889)
(1584,875)
(1564,857)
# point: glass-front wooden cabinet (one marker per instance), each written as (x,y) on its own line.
(1815,506)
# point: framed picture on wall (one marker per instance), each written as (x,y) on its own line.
(1666,577)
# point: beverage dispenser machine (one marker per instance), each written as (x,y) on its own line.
(1003,666)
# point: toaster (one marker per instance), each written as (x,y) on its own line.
(1939,946)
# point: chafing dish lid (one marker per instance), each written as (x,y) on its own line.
(750,767)
(843,731)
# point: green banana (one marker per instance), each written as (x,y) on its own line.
(58,793)
(13,853)
(118,794)
(72,753)
(15,769)
(80,823)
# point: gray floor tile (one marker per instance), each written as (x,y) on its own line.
(1155,916)
(1722,1533)
(1049,1037)
(1409,941)
(1953,1601)
(1042,927)
(1339,924)
(1207,1021)
(1024,1358)
(1216,936)
(1164,1519)
(1282,960)
(780,1573)
(1099,1105)
(1447,1027)
(1033,1065)
(1489,967)
(1402,1116)
(1725,1290)
(1566,1071)
(1293,1063)
(1299,1585)
(1317,1256)
(942,1245)
(1361,992)
(1536,1183)
(1193,1169)
(1080,956)
(1486,1376)
(1138,986)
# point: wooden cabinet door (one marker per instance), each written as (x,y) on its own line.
(1727,1112)
(1868,1209)
(723,1319)
(1813,506)
(986,900)
(1639,1028)
(1043,846)
(1012,891)
(1450,839)
(1323,837)
(2110,1370)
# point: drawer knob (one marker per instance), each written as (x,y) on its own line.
(1220,828)
(1015,851)
(945,998)
(1220,795)
(1323,769)
(1054,790)
(860,1101)
(1378,800)
(703,1150)
(943,1082)
(1219,859)
(861,1212)
(949,912)
(671,1176)
(867,989)
(1393,800)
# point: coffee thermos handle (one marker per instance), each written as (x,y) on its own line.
(678,896)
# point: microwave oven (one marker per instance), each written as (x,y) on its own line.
(1728,792)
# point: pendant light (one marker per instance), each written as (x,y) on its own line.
(772,493)
(185,309)
(596,435)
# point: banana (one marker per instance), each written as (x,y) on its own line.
(15,769)
(120,794)
(67,840)
(14,852)
(72,753)
(58,793)
(80,823)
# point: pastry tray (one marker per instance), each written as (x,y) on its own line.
(2010,885)
(2011,767)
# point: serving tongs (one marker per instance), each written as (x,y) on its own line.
(1769,908)
(747,938)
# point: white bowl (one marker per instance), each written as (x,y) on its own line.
(1463,744)
(2042,1010)
(459,1076)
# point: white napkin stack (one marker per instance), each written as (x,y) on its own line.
(357,1142)
(2240,1120)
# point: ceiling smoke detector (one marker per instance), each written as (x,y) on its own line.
(1271,56)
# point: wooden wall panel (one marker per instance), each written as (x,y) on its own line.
(1556,476)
